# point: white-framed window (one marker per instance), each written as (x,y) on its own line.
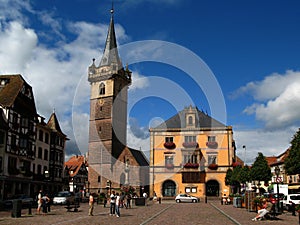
(168,139)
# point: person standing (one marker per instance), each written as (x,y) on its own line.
(118,204)
(39,202)
(91,204)
(112,203)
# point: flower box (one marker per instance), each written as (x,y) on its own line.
(169,166)
(236,164)
(169,145)
(212,144)
(213,166)
(192,144)
(191,165)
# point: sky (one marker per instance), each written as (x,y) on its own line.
(236,60)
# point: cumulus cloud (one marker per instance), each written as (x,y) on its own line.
(277,99)
(58,72)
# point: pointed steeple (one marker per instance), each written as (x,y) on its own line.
(110,54)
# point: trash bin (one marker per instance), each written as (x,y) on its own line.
(17,208)
(140,201)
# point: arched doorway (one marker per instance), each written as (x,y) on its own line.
(169,188)
(212,188)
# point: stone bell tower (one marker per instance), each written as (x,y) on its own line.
(108,113)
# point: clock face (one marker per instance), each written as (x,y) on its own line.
(101,101)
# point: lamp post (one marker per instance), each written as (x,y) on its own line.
(108,186)
(244,146)
(277,172)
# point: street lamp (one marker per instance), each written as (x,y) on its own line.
(244,146)
(277,172)
(108,186)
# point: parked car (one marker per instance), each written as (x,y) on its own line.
(186,198)
(26,200)
(273,197)
(289,199)
(64,198)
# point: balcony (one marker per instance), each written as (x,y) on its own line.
(212,144)
(169,145)
(192,144)
(191,165)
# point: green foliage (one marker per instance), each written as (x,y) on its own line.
(260,169)
(245,175)
(292,161)
(228,177)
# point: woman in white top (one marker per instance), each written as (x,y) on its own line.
(118,203)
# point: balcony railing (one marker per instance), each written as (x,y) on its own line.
(191,165)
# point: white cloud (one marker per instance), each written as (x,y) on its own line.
(138,81)
(270,143)
(277,99)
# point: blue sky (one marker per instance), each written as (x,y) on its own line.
(252,49)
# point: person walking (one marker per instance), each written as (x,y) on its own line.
(91,204)
(112,203)
(118,204)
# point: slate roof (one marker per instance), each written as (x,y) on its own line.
(139,157)
(179,120)
(110,54)
(54,124)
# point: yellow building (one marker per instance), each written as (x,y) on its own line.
(190,153)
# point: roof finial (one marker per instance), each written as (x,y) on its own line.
(112,7)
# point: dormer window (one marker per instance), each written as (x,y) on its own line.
(190,120)
(102,89)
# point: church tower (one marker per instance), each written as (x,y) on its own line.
(108,113)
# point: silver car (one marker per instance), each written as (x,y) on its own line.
(186,198)
(64,198)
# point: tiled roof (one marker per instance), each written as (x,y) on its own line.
(74,164)
(10,91)
(179,120)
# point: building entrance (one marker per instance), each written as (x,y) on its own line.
(212,188)
(169,188)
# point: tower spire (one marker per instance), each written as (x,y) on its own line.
(110,54)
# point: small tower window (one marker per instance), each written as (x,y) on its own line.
(102,89)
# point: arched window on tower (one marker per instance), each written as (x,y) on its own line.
(102,89)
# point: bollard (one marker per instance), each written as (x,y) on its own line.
(159,200)
(29,208)
(205,199)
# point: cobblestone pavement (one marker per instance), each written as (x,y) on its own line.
(166,213)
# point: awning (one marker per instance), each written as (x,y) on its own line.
(294,187)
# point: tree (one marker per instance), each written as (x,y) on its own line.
(260,170)
(292,161)
(228,177)
(245,175)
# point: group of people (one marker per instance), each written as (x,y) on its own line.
(43,203)
(116,202)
